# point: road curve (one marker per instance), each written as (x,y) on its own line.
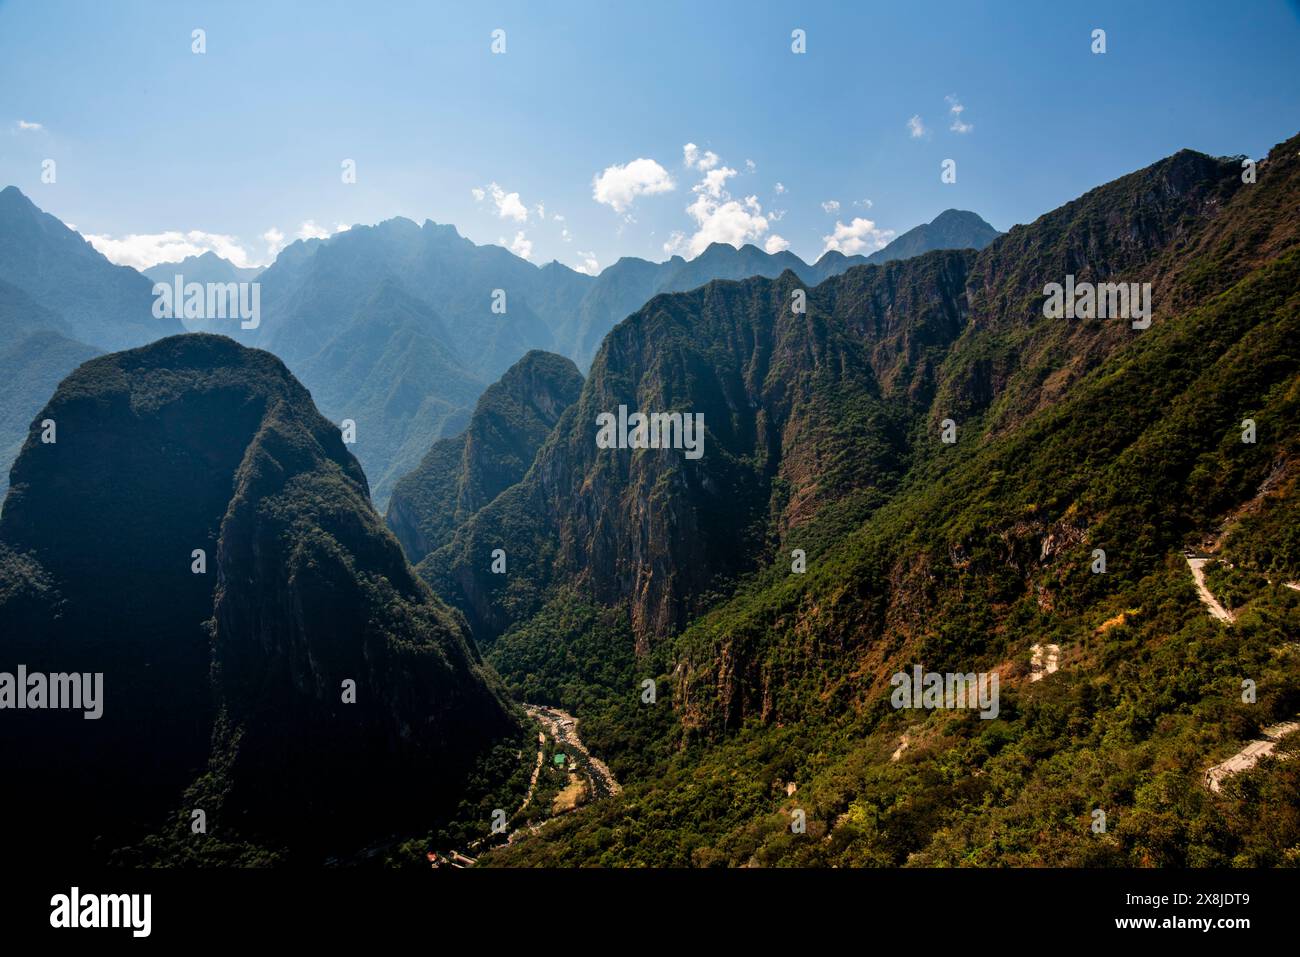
(1197,565)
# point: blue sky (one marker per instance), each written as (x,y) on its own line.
(246,141)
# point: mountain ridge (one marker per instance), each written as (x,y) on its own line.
(105,305)
(902,345)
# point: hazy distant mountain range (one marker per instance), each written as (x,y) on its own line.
(391,326)
(103,305)
(318,304)
(204,268)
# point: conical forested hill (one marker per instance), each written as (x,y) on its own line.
(200,535)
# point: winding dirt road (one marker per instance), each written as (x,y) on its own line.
(1250,755)
(1197,565)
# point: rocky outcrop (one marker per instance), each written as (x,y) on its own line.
(798,409)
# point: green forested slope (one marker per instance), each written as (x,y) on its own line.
(1073,437)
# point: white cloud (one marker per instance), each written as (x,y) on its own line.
(725,220)
(274,240)
(558,218)
(956,109)
(693,158)
(142,250)
(540,210)
(25,125)
(831,206)
(309,230)
(565,234)
(916,127)
(522,246)
(779,188)
(508,204)
(714,182)
(718,217)
(864,203)
(751,166)
(588,265)
(617,186)
(776,215)
(342,228)
(857,236)
(776,244)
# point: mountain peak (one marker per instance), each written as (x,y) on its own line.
(13,199)
(952,216)
(951,229)
(718,249)
(441,230)
(207,266)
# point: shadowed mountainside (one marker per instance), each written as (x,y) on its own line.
(229,683)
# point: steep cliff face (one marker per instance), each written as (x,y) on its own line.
(236,675)
(458,476)
(422,509)
(628,284)
(1090,436)
(1135,229)
(828,407)
(798,408)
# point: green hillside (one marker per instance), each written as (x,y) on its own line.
(1072,437)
